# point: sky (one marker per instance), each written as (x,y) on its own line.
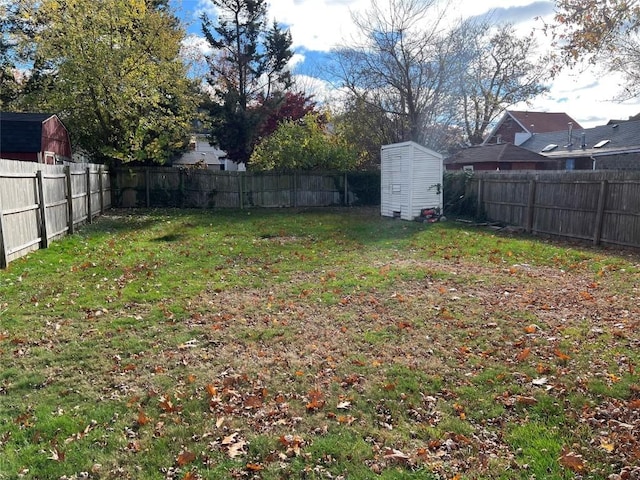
(316,26)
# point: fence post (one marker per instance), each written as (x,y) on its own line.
(42,207)
(597,231)
(346,189)
(531,205)
(295,189)
(67,172)
(100,187)
(480,199)
(88,172)
(3,248)
(147,187)
(240,193)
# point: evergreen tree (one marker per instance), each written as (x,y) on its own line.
(248,67)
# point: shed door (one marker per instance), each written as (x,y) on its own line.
(395,177)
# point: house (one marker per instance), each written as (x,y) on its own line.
(517,126)
(34,137)
(606,147)
(503,156)
(411,180)
(202,153)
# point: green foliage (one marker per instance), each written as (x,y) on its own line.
(111,71)
(304,145)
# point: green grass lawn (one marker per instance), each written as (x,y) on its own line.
(313,344)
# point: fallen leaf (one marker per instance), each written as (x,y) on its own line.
(254,467)
(607,445)
(397,455)
(343,405)
(522,400)
(572,461)
(316,400)
(142,418)
(236,449)
(185,458)
(586,296)
(561,355)
(211,390)
(57,455)
(229,439)
(523,355)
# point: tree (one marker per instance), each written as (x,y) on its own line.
(601,32)
(247,67)
(9,85)
(366,125)
(496,69)
(304,144)
(401,61)
(290,106)
(111,70)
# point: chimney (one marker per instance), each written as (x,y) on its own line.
(569,141)
(583,143)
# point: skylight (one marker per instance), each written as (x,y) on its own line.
(549,147)
(601,144)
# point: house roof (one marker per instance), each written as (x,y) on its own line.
(536,122)
(502,153)
(21,132)
(622,138)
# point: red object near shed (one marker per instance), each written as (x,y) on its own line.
(34,137)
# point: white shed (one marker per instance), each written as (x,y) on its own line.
(411,177)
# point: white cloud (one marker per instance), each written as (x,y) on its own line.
(319,25)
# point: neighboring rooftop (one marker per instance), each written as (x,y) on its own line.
(503,152)
(516,126)
(617,138)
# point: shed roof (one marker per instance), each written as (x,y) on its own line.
(411,144)
(623,138)
(503,152)
(21,132)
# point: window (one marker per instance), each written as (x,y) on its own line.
(601,144)
(468,168)
(548,148)
(570,164)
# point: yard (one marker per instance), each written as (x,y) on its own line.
(313,344)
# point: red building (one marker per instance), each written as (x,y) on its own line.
(517,127)
(34,137)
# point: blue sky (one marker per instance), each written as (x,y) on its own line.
(318,25)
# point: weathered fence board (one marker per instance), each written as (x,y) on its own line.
(40,203)
(595,206)
(172,187)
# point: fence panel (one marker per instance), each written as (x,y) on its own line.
(40,203)
(194,188)
(597,206)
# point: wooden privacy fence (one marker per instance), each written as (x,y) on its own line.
(39,203)
(194,188)
(602,207)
